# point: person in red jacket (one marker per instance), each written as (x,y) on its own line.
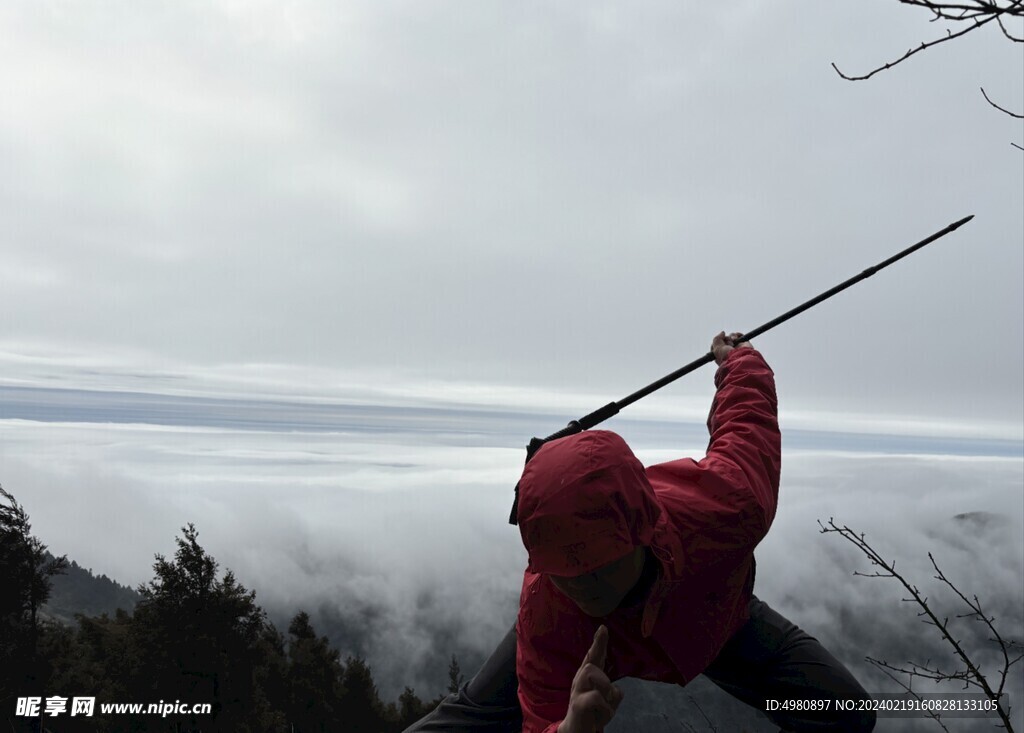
(649,573)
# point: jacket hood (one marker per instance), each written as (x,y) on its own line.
(584,501)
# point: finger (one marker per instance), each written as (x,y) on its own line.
(590,678)
(614,697)
(599,649)
(592,707)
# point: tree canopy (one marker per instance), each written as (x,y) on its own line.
(196,636)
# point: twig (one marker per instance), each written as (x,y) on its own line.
(978,6)
(924,45)
(971,674)
(978,614)
(979,12)
(1012,114)
(933,714)
(1007,33)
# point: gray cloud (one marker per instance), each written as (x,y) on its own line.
(572,197)
(397,542)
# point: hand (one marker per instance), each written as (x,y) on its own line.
(594,699)
(721,345)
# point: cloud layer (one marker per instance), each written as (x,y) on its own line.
(574,197)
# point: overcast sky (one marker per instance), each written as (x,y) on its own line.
(570,195)
(528,206)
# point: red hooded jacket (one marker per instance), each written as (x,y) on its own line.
(586,500)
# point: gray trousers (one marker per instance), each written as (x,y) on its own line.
(768,658)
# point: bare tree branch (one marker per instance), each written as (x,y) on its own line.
(978,614)
(925,45)
(1007,33)
(988,7)
(970,674)
(975,12)
(1012,114)
(934,715)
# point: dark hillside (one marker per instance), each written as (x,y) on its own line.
(79,591)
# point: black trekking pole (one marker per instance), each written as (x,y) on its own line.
(612,408)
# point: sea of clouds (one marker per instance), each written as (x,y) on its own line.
(391,529)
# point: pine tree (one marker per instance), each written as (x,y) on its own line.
(270,683)
(314,680)
(455,678)
(410,708)
(198,637)
(26,570)
(362,710)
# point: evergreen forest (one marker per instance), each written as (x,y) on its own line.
(196,635)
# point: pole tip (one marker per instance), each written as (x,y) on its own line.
(962,222)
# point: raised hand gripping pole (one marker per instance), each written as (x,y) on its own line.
(612,408)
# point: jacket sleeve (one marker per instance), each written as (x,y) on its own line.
(544,684)
(745,451)
(546,659)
